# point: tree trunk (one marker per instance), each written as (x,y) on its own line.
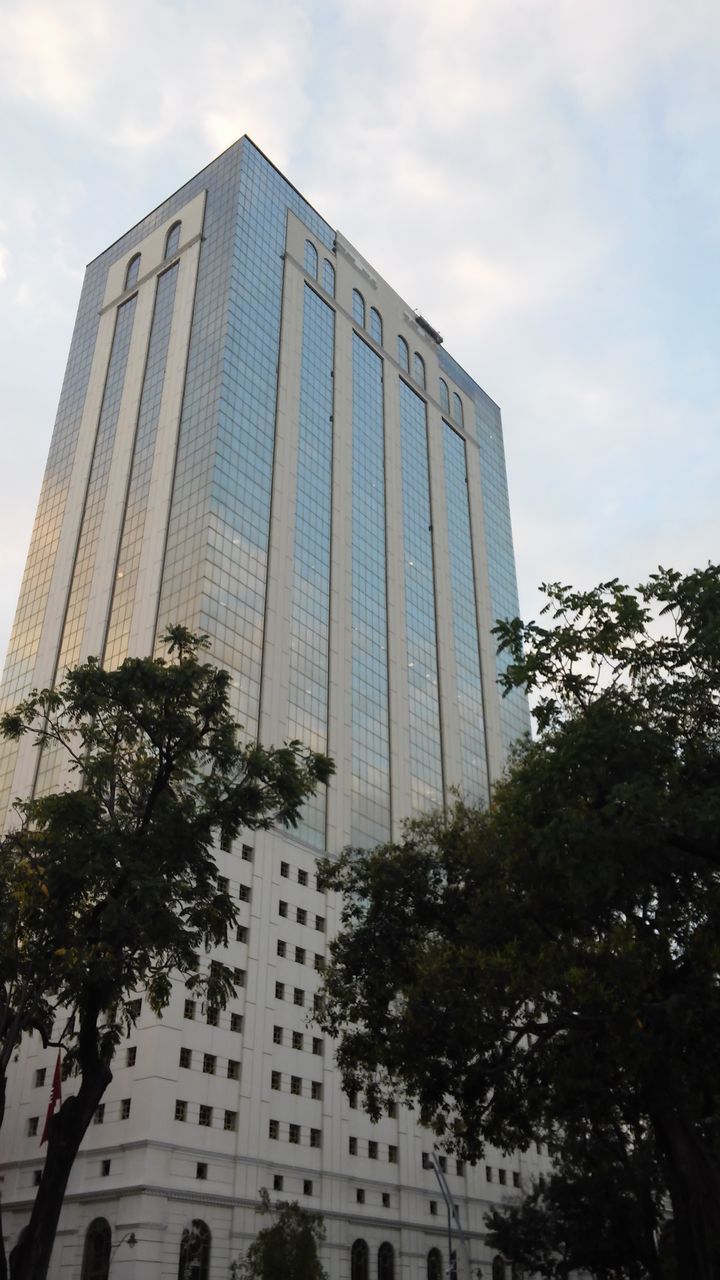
(693,1179)
(30,1258)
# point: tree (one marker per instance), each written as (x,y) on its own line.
(287,1250)
(558,954)
(599,1211)
(113,885)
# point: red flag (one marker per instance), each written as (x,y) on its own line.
(55,1099)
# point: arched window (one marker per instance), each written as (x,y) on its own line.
(172,240)
(133,271)
(434,1265)
(96,1254)
(328,280)
(419,369)
(386,1261)
(457,414)
(311,259)
(359,1257)
(376,325)
(403,354)
(444,396)
(498,1268)
(194,1261)
(358,308)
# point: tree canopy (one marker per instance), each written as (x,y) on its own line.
(112,883)
(557,954)
(288,1248)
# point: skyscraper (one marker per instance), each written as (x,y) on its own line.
(259,439)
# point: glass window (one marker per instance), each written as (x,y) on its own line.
(434,1265)
(311,259)
(328,277)
(172,241)
(358,308)
(386,1261)
(403,354)
(133,271)
(457,409)
(195,1251)
(444,396)
(419,369)
(498,1268)
(376,325)
(359,1257)
(96,1253)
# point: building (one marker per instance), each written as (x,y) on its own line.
(258,438)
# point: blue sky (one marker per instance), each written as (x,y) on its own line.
(541,178)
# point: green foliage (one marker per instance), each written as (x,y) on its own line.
(110,884)
(288,1249)
(556,956)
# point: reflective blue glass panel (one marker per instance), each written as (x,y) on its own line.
(358,308)
(376,328)
(444,396)
(457,408)
(419,369)
(173,240)
(328,277)
(311,259)
(403,354)
(132,272)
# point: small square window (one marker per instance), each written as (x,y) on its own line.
(352,1146)
(299,955)
(213,1015)
(233,1069)
(230,1121)
(442,1161)
(433,1207)
(302,877)
(275,1080)
(296,1085)
(426,1161)
(299,997)
(241,933)
(316,1090)
(205,1116)
(209,1063)
(225,842)
(318,1003)
(236,1022)
(284,871)
(320,963)
(392,1154)
(274,1129)
(32,1126)
(186,1057)
(125,1109)
(37,1176)
(320,923)
(352,1101)
(317,1045)
(301,915)
(281,947)
(307,1187)
(297,1039)
(40,1077)
(277,1182)
(99,1114)
(180,1110)
(488,1173)
(189,1009)
(502,1177)
(104,1168)
(392,1110)
(516,1178)
(360,1195)
(239,977)
(294,1134)
(131,1056)
(247,853)
(201,1171)
(372,1150)
(386,1199)
(223,884)
(277,1035)
(282,909)
(244,893)
(279,990)
(315,1137)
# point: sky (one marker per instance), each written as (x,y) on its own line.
(540,178)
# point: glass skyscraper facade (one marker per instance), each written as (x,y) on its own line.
(259,439)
